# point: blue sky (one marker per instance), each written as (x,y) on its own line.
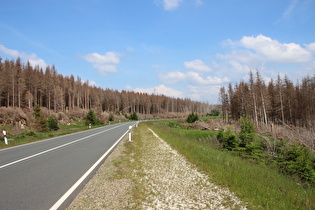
(180,48)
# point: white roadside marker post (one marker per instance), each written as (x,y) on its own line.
(5,137)
(130,127)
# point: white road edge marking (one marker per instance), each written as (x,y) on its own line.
(72,189)
(49,150)
(155,135)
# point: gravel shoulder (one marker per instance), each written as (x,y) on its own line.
(148,174)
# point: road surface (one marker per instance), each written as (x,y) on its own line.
(48,174)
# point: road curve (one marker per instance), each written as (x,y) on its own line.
(48,174)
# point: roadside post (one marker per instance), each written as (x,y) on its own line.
(5,137)
(130,127)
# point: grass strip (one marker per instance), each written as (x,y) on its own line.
(261,186)
(31,136)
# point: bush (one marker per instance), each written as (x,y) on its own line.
(37,111)
(247,133)
(214,112)
(111,117)
(133,116)
(91,118)
(40,123)
(52,124)
(228,139)
(192,118)
(30,133)
(298,160)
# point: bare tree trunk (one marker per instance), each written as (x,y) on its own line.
(281,99)
(251,80)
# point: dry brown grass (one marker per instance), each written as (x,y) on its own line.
(278,132)
(10,115)
(292,134)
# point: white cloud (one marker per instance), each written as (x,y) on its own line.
(32,58)
(206,93)
(311,47)
(7,51)
(192,77)
(93,83)
(105,68)
(109,57)
(128,87)
(265,54)
(173,77)
(238,67)
(243,56)
(273,50)
(161,89)
(174,4)
(104,63)
(169,4)
(195,78)
(197,65)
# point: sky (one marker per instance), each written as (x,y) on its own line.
(179,48)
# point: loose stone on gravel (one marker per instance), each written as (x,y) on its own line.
(166,179)
(171,182)
(105,190)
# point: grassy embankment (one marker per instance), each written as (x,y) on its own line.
(259,185)
(31,136)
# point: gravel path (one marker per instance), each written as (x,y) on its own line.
(107,189)
(163,177)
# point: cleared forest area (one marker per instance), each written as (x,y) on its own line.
(23,87)
(281,102)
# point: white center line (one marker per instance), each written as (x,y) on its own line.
(49,150)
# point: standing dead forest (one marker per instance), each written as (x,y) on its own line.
(24,86)
(279,102)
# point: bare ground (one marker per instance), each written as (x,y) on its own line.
(152,176)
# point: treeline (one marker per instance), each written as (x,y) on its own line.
(279,102)
(23,85)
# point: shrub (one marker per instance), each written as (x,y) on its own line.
(52,123)
(214,112)
(298,160)
(192,118)
(111,117)
(133,116)
(40,122)
(30,133)
(247,133)
(228,139)
(37,111)
(91,118)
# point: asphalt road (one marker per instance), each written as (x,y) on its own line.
(48,174)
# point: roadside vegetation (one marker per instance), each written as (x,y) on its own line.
(242,162)
(42,126)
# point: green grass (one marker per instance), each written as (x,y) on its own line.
(132,164)
(25,138)
(30,136)
(259,185)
